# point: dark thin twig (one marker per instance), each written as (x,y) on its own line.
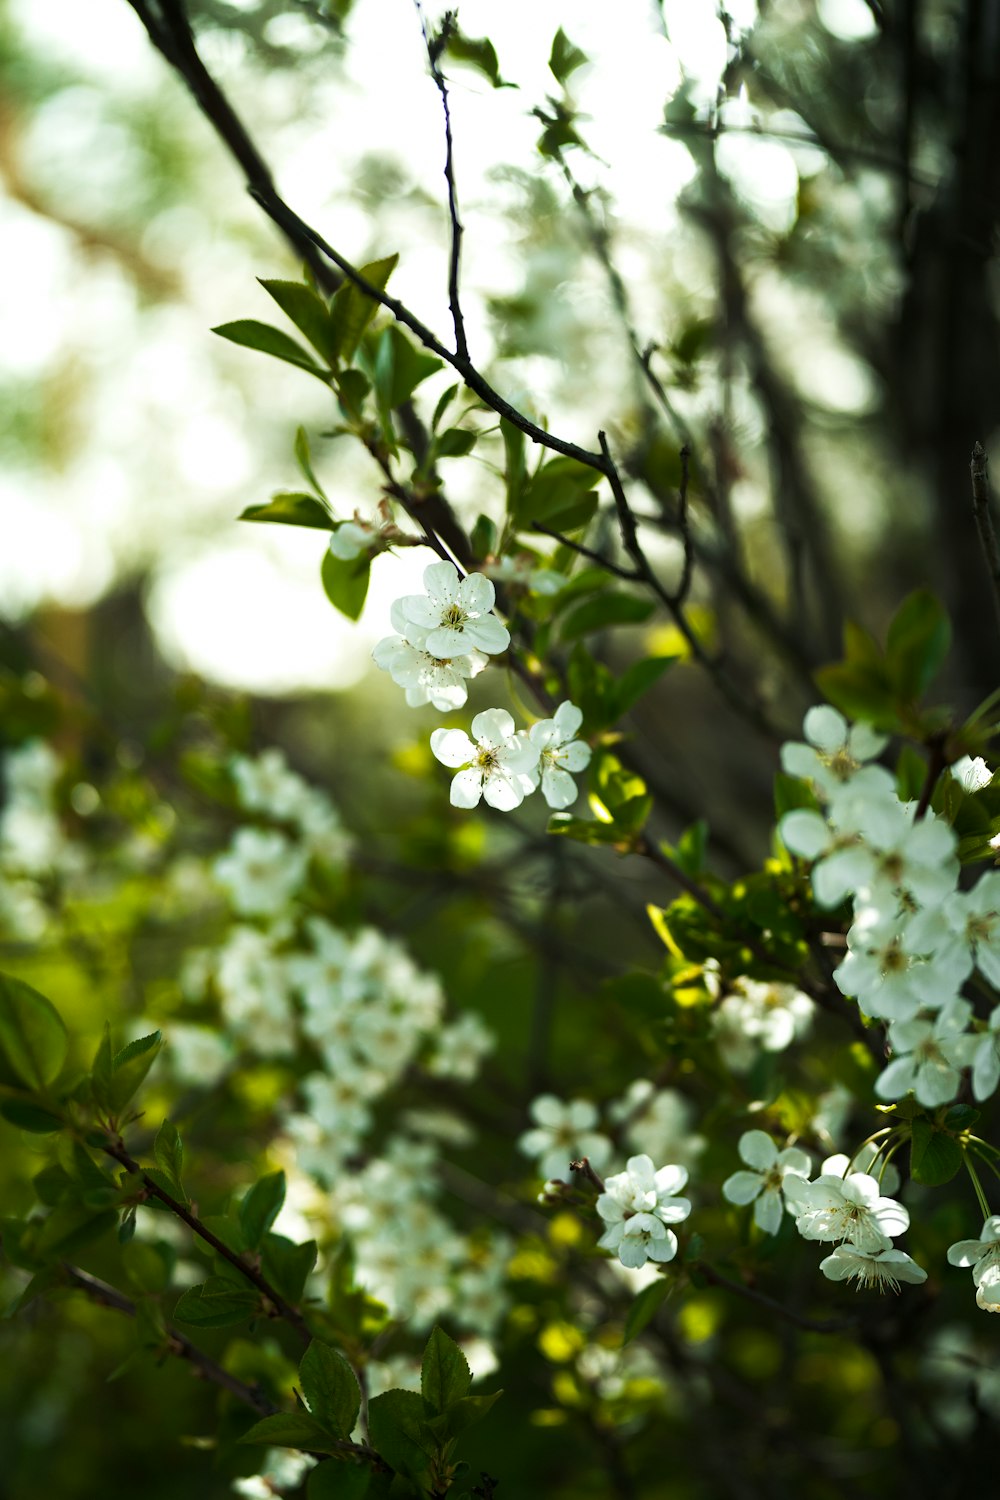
(982,498)
(685,530)
(750,710)
(176,1343)
(435,46)
(603,562)
(115,1148)
(810,1325)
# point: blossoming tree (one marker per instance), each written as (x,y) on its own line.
(364,1187)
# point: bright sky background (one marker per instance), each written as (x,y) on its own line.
(173,446)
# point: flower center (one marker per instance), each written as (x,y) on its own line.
(454,616)
(488,760)
(840,764)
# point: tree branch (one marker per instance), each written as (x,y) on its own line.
(115,1148)
(435,46)
(108,1296)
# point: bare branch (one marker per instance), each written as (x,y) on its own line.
(738,700)
(108,1296)
(435,46)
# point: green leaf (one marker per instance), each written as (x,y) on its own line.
(338,1481)
(445,1376)
(604,611)
(330,1388)
(456,442)
(307,311)
(352,309)
(168,1149)
(790,794)
(290,508)
(464,1413)
(303,458)
(400,367)
(483,538)
(639,678)
(289,1429)
(352,388)
(217,1303)
(515,467)
(645,1307)
(40,1283)
(261,336)
(478,53)
(859,692)
(260,1207)
(71,1226)
(917,644)
(27,1115)
(565,58)
(585,830)
(52,1184)
(100,1073)
(560,492)
(287,1265)
(32,1033)
(398,1432)
(346,583)
(444,401)
(935,1156)
(961,1117)
(145,1267)
(691,848)
(130,1067)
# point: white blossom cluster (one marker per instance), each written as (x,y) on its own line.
(34,850)
(914,941)
(915,937)
(841,1206)
(356,1004)
(445,637)
(639,1204)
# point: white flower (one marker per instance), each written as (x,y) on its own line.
(928,1056)
(460,1047)
(863,1160)
(31,772)
(848,1208)
(880,1268)
(983,1255)
(835,752)
(198,1055)
(520,572)
(266,784)
(889,975)
(427,678)
(759,1014)
(986,1059)
(563,1133)
(558,754)
(971,774)
(637,1205)
(351,539)
(875,854)
(456,613)
(763,1186)
(965,929)
(260,871)
(657,1123)
(493,764)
